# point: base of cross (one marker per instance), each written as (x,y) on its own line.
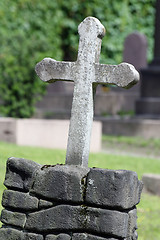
(68,202)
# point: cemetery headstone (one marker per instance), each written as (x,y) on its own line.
(135,50)
(135,53)
(58,87)
(73,201)
(55,103)
(148,104)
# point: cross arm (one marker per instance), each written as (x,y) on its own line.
(50,70)
(123,75)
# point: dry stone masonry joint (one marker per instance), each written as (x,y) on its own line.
(68,202)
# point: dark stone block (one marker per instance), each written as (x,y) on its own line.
(148,107)
(20,173)
(13,218)
(32,236)
(76,218)
(149,102)
(107,222)
(45,204)
(19,200)
(61,183)
(13,234)
(132,223)
(57,214)
(10,234)
(85,236)
(59,218)
(150,82)
(117,189)
(58,237)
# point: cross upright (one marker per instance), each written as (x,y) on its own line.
(86,73)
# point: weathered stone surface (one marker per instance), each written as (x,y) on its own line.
(151,183)
(133,237)
(45,204)
(32,236)
(13,218)
(10,234)
(61,183)
(116,189)
(77,218)
(85,236)
(146,128)
(132,223)
(86,73)
(19,173)
(13,234)
(19,200)
(59,218)
(107,222)
(61,236)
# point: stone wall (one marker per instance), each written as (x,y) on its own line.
(125,126)
(68,203)
(29,132)
(58,105)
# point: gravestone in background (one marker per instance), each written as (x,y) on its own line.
(135,50)
(135,53)
(73,201)
(148,105)
(58,88)
(57,101)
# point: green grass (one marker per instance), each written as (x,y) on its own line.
(140,165)
(134,141)
(148,209)
(149,218)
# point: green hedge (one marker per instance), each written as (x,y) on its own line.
(33,29)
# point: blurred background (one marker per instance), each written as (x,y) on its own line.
(32,30)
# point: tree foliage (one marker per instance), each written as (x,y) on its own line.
(33,29)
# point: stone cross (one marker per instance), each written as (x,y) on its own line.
(86,73)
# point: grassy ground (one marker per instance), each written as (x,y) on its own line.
(148,209)
(132,145)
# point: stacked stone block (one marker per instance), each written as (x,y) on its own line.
(64,202)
